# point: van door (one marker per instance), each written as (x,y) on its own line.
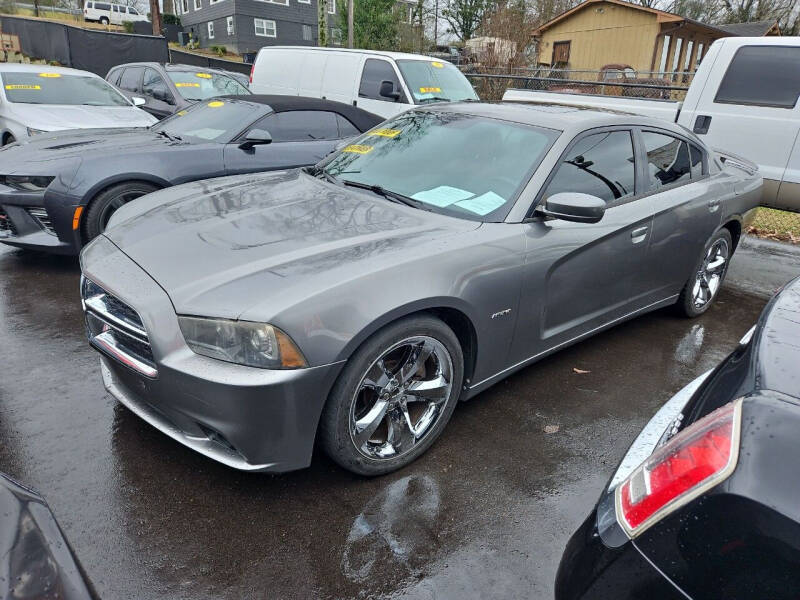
(310,83)
(116,14)
(277,71)
(373,73)
(340,82)
(750,109)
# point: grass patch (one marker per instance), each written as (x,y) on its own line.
(777,225)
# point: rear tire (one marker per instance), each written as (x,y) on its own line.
(405,382)
(108,201)
(103,21)
(709,273)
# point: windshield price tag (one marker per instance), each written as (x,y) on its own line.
(358,149)
(183,84)
(216,104)
(390,133)
(203,75)
(50,75)
(437,64)
(430,90)
(20,86)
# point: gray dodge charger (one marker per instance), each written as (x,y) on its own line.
(357,301)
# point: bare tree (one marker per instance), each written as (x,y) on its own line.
(465,16)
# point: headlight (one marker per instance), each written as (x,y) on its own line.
(32,131)
(242,342)
(34,183)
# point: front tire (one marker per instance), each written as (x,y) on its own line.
(8,139)
(108,201)
(703,286)
(394,397)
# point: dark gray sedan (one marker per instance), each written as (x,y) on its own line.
(357,301)
(58,191)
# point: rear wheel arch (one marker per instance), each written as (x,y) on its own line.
(734,227)
(7,138)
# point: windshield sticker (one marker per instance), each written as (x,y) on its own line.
(442,196)
(358,149)
(483,204)
(203,75)
(390,133)
(181,113)
(50,75)
(22,86)
(185,84)
(437,64)
(216,104)
(430,90)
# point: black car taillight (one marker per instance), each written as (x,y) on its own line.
(698,458)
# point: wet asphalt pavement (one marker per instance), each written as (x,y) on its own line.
(485,513)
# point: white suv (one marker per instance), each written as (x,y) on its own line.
(107,12)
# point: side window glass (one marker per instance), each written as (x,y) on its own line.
(346,128)
(375,71)
(153,85)
(113,77)
(300,126)
(667,160)
(130,79)
(696,156)
(601,165)
(762,76)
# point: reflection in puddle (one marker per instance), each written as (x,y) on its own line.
(394,526)
(688,349)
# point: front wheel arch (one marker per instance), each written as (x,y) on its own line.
(82,227)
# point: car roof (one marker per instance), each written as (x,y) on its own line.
(384,53)
(360,118)
(27,68)
(561,117)
(171,67)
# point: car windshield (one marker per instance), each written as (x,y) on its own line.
(198,85)
(59,88)
(435,81)
(215,121)
(462,165)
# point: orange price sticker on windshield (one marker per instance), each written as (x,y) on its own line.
(430,90)
(20,86)
(358,149)
(50,75)
(216,104)
(203,75)
(390,133)
(437,64)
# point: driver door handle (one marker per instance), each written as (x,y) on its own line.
(638,235)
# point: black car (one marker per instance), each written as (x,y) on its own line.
(167,89)
(706,504)
(58,191)
(35,559)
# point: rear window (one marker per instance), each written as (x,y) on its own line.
(58,88)
(201,85)
(762,76)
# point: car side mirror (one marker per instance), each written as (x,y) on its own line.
(573,206)
(255,137)
(387,90)
(138,101)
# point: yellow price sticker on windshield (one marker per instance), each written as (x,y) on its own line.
(203,75)
(430,90)
(184,84)
(50,75)
(390,133)
(216,104)
(437,64)
(181,113)
(358,149)
(20,86)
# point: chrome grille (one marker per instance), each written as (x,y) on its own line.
(116,329)
(6,224)
(41,216)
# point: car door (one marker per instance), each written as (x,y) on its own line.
(159,100)
(582,276)
(299,138)
(130,82)
(686,203)
(373,73)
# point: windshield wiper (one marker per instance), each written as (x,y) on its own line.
(171,138)
(388,194)
(434,99)
(321,172)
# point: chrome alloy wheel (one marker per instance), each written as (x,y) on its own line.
(401,397)
(710,275)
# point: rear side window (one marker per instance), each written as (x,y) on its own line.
(601,164)
(762,76)
(696,156)
(346,128)
(668,160)
(301,126)
(113,77)
(376,71)
(131,77)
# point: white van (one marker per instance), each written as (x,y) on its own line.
(384,83)
(108,12)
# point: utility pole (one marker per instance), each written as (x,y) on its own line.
(436,24)
(350,23)
(155,17)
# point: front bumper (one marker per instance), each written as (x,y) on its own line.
(37,221)
(247,418)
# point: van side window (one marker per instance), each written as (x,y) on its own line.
(131,77)
(375,71)
(102,6)
(300,126)
(762,76)
(668,160)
